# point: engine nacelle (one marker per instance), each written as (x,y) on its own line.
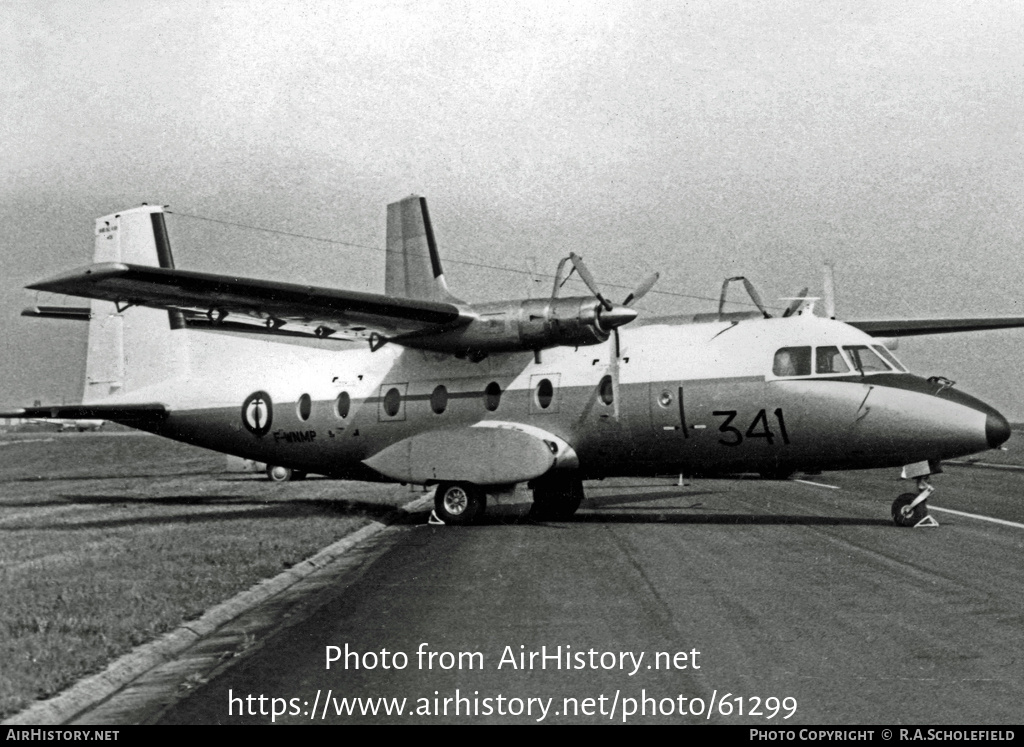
(535,324)
(560,321)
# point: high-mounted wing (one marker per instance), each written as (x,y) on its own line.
(277,303)
(913,327)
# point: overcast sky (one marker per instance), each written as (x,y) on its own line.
(700,139)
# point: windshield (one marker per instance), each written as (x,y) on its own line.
(884,352)
(865,359)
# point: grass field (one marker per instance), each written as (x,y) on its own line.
(108,540)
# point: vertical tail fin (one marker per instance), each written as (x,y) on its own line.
(136,347)
(412,268)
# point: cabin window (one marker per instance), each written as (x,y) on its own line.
(606,391)
(392,402)
(304,407)
(865,359)
(439,399)
(545,393)
(342,405)
(492,396)
(792,362)
(828,360)
(889,357)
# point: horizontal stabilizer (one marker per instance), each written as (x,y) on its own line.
(127,414)
(78,314)
(274,303)
(483,456)
(913,327)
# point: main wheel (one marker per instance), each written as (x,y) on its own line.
(459,502)
(556,499)
(904,515)
(277,473)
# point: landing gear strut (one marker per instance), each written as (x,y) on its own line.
(911,509)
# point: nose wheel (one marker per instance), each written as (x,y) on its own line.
(911,509)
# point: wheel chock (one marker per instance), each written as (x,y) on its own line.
(437,522)
(927,521)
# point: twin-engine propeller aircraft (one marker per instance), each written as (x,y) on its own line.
(476,399)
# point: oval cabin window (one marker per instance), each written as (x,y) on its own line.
(304,407)
(343,405)
(392,402)
(492,396)
(439,400)
(545,393)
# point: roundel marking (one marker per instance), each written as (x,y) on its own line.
(257,413)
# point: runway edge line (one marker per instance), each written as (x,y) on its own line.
(122,671)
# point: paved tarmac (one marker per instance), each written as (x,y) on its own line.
(801,599)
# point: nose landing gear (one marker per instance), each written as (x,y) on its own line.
(911,509)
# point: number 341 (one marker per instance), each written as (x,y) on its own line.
(759,427)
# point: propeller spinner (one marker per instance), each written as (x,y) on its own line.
(612,316)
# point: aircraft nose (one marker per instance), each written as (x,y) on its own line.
(997,430)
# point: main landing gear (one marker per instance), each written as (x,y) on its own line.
(277,473)
(459,502)
(911,509)
(556,497)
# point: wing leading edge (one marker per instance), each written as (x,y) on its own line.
(276,303)
(914,327)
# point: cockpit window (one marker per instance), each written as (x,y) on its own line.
(865,359)
(828,360)
(884,352)
(792,362)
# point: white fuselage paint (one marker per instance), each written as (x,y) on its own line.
(777,424)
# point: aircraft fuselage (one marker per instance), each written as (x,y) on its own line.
(693,398)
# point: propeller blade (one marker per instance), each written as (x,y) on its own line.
(613,370)
(581,268)
(642,290)
(755,297)
(751,291)
(797,303)
(559,282)
(830,291)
